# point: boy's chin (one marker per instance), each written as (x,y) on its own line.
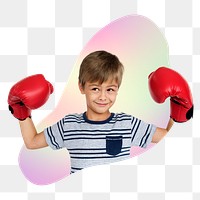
(106,112)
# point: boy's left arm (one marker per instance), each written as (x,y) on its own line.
(163,83)
(161,132)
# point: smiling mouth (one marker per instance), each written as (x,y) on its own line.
(101,104)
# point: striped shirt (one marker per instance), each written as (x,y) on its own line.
(98,142)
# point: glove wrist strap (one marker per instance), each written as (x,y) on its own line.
(180,113)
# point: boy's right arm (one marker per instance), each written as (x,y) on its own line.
(32,139)
(29,93)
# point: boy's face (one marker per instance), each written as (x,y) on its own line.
(99,98)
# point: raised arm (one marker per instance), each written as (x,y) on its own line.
(162,132)
(32,139)
(164,83)
(27,94)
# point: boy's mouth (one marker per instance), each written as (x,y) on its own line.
(102,104)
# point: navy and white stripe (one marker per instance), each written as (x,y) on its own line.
(98,142)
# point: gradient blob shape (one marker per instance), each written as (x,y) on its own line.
(44,166)
(142,48)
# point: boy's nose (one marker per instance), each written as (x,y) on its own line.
(102,96)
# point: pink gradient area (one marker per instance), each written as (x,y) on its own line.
(142,48)
(136,151)
(44,166)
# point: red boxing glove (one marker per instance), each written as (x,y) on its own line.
(29,93)
(164,83)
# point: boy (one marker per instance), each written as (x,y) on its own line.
(96,136)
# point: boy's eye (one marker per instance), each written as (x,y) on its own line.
(95,89)
(110,90)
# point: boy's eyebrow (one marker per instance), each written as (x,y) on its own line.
(113,86)
(97,85)
(94,84)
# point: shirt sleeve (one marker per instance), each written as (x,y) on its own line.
(141,133)
(54,135)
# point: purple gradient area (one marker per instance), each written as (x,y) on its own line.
(44,166)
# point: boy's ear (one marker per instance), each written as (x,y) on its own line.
(81,88)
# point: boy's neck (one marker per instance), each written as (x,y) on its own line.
(98,116)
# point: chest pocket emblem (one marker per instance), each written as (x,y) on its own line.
(113,145)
